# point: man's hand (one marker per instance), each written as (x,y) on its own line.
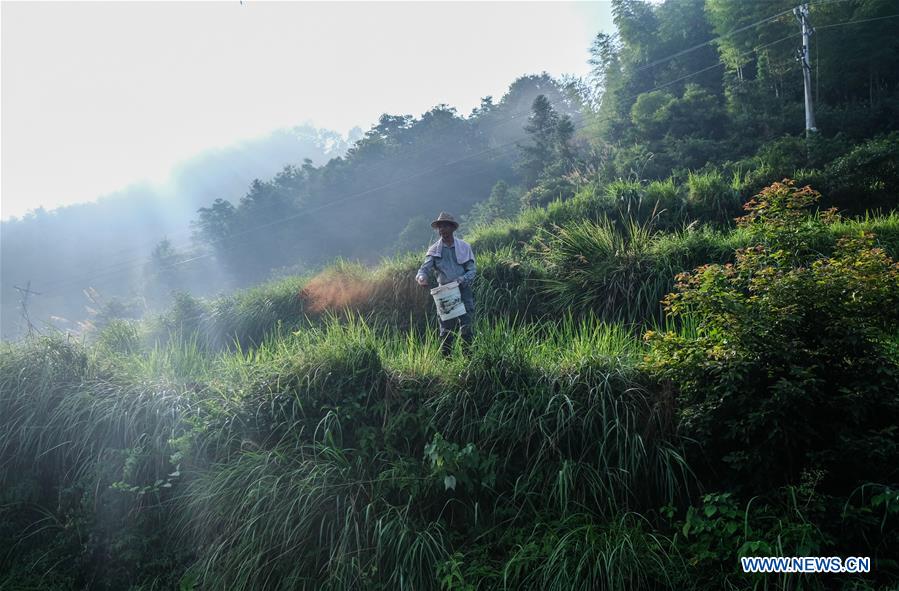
(422,281)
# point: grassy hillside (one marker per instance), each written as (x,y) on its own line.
(613,253)
(306,434)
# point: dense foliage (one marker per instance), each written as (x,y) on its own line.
(562,453)
(785,341)
(682,357)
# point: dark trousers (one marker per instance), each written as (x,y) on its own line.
(464,324)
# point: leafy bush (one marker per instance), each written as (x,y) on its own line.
(721,528)
(787,154)
(866,178)
(504,203)
(787,343)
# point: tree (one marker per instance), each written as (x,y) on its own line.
(541,130)
(551,136)
(162,273)
(504,203)
(215,222)
(605,68)
(416,235)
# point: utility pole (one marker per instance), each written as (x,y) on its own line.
(801,13)
(24,293)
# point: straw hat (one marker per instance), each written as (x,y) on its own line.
(445,217)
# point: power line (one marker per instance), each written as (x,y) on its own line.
(232,244)
(348,197)
(733,32)
(127,264)
(864,20)
(134,262)
(470,156)
(24,293)
(711,41)
(507,145)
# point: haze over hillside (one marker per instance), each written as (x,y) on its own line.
(64,250)
(102,93)
(233,217)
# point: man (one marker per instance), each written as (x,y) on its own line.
(452,260)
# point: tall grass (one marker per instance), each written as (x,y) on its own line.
(307,434)
(516,233)
(350,503)
(302,462)
(587,254)
(90,449)
(549,410)
(246,316)
(305,519)
(585,555)
(619,274)
(667,201)
(884,227)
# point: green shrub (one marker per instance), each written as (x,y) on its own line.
(586,204)
(507,285)
(666,201)
(711,197)
(721,528)
(694,245)
(184,317)
(884,228)
(783,155)
(787,371)
(626,195)
(867,178)
(549,189)
(791,157)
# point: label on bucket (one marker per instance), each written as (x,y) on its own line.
(448,300)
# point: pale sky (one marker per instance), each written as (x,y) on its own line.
(97,96)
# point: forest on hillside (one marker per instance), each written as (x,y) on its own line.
(106,245)
(686,350)
(680,88)
(663,100)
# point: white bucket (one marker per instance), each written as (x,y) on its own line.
(448,300)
